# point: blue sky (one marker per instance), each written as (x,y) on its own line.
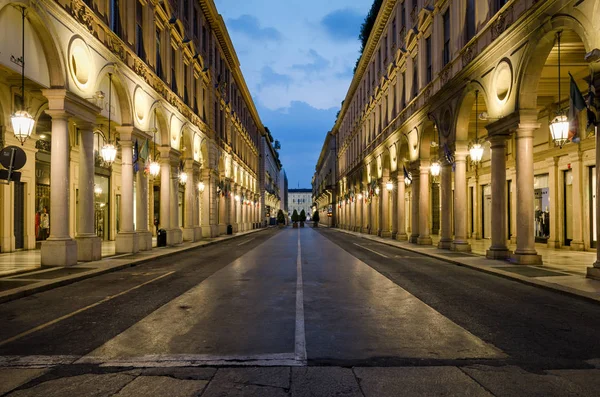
(297,58)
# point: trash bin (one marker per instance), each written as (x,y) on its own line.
(161,238)
(229,229)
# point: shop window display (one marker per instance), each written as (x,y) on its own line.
(542,205)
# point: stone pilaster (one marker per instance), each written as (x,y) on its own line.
(424,233)
(400,215)
(460,242)
(414,204)
(126,241)
(446,210)
(189,201)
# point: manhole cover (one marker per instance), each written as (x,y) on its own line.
(61,272)
(530,271)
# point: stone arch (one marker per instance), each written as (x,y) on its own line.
(542,42)
(160,123)
(35,22)
(465,108)
(205,160)
(426,137)
(121,102)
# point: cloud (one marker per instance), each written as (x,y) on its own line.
(269,77)
(250,25)
(301,129)
(343,24)
(318,63)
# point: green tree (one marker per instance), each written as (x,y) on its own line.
(295,216)
(316,216)
(302,216)
(367,27)
(280,217)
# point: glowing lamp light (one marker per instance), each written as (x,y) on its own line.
(97,190)
(559,128)
(201,187)
(360,196)
(476,152)
(22,124)
(237,198)
(109,153)
(389,186)
(435,169)
(377,190)
(407,180)
(154,168)
(183,177)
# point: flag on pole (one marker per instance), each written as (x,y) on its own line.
(144,150)
(591,107)
(576,105)
(135,156)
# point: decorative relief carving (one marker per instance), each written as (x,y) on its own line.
(139,68)
(445,75)
(427,93)
(81,13)
(468,55)
(114,44)
(501,23)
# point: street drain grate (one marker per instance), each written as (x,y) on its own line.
(61,272)
(529,271)
(6,285)
(456,255)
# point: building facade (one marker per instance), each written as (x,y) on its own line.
(158,79)
(438,82)
(270,170)
(300,199)
(324,183)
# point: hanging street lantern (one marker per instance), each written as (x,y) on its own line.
(201,187)
(476,149)
(435,169)
(183,177)
(109,150)
(389,186)
(22,122)
(154,168)
(559,126)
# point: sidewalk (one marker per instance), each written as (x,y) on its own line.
(563,270)
(22,284)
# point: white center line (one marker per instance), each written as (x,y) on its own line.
(369,249)
(247,241)
(66,316)
(300,342)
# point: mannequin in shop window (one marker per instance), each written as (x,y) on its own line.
(546,221)
(538,221)
(44,224)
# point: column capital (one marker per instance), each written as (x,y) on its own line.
(77,107)
(126,132)
(461,150)
(58,114)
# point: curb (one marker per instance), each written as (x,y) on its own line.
(24,291)
(583,295)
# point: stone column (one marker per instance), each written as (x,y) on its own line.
(577,168)
(446,210)
(209,199)
(594,271)
(476,233)
(513,206)
(233,221)
(414,206)
(384,207)
(59,249)
(424,234)
(141,214)
(553,239)
(189,202)
(127,240)
(460,242)
(498,249)
(165,192)
(89,246)
(394,209)
(369,226)
(175,228)
(525,253)
(400,215)
(197,198)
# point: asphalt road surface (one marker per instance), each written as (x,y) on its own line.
(308,312)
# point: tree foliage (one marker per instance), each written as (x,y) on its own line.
(302,216)
(367,27)
(280,217)
(295,216)
(316,217)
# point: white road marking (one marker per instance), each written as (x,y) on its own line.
(83,309)
(300,338)
(247,241)
(369,249)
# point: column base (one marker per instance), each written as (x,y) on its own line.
(386,234)
(594,272)
(222,229)
(126,243)
(577,246)
(425,240)
(460,246)
(526,258)
(554,244)
(413,238)
(401,237)
(89,248)
(188,234)
(497,253)
(445,244)
(373,232)
(197,233)
(144,240)
(174,237)
(59,252)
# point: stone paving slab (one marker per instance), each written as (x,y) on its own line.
(87,385)
(152,386)
(11,378)
(587,380)
(103,266)
(417,382)
(261,376)
(324,382)
(576,285)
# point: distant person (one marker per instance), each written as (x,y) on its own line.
(44,224)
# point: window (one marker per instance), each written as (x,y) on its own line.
(186,78)
(204,40)
(394,32)
(385,49)
(415,81)
(139,30)
(158,63)
(428,58)
(173,70)
(379,60)
(115,18)
(470,29)
(446,50)
(404,21)
(196,24)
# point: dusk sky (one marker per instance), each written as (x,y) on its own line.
(297,58)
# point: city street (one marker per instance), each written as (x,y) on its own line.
(307,312)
